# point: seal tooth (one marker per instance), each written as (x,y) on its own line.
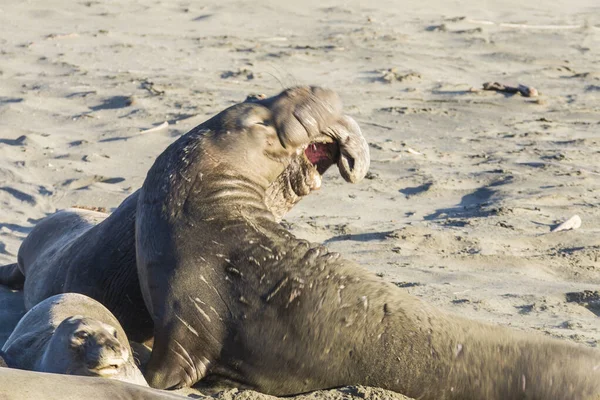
(316,183)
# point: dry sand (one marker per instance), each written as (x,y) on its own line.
(464,186)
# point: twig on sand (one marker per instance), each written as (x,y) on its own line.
(92,208)
(525,91)
(156,128)
(389,128)
(61,36)
(525,26)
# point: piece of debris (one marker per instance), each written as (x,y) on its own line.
(525,91)
(241,72)
(92,208)
(437,28)
(151,87)
(407,284)
(392,75)
(572,223)
(253,97)
(468,31)
(156,128)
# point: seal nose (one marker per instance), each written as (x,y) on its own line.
(355,158)
(302,113)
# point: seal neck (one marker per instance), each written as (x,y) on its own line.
(188,177)
(223,192)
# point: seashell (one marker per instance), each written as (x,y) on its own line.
(572,223)
(156,128)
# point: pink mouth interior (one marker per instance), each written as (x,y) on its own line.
(322,155)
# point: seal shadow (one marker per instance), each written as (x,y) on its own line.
(19,195)
(414,190)
(472,205)
(16,228)
(22,228)
(113,103)
(20,141)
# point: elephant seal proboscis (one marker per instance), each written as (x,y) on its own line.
(93,253)
(72,334)
(258,308)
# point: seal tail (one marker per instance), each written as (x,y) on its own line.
(11,276)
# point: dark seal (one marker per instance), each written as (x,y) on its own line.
(236,299)
(93,253)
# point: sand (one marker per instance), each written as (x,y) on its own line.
(465,185)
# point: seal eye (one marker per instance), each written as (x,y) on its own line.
(267,122)
(81,335)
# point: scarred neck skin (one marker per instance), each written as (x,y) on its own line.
(225,195)
(202,185)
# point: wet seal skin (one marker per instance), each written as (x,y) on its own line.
(237,300)
(93,253)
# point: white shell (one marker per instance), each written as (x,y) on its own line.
(572,223)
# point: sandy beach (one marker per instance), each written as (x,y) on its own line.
(465,185)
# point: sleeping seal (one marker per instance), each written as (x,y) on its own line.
(75,335)
(237,299)
(93,253)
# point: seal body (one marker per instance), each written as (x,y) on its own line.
(11,311)
(94,254)
(86,252)
(75,335)
(258,308)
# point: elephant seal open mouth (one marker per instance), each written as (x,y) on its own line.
(341,143)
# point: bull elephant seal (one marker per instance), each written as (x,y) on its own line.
(17,384)
(93,253)
(260,309)
(75,335)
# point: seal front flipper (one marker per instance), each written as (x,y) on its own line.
(171,366)
(11,276)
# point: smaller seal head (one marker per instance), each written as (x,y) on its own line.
(85,346)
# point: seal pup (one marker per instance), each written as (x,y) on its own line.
(93,253)
(258,308)
(75,335)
